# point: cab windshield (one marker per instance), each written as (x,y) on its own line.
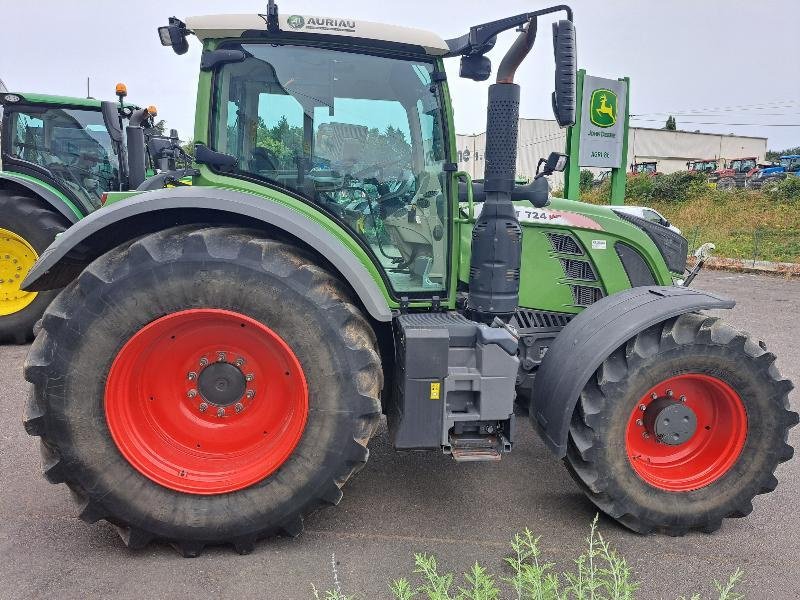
(357,135)
(790,163)
(71,145)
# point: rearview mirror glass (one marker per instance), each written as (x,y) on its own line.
(566,59)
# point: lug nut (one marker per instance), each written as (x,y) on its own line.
(239,362)
(221,357)
(683,398)
(220,412)
(645,435)
(238,407)
(669,393)
(192,375)
(654,396)
(250,393)
(639,422)
(203,362)
(191,393)
(642,407)
(203,407)
(249,377)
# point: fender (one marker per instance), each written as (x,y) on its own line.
(586,341)
(154,210)
(51,198)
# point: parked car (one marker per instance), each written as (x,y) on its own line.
(650,214)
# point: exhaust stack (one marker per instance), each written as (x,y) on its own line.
(497,237)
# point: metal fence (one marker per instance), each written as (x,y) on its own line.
(776,245)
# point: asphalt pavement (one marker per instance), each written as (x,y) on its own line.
(406,503)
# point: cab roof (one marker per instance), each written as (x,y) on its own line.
(26,98)
(234,25)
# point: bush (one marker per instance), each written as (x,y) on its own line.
(639,187)
(600,572)
(788,189)
(587,177)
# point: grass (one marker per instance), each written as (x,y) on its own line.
(599,573)
(742,223)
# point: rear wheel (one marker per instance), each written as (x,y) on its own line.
(26,229)
(223,387)
(681,427)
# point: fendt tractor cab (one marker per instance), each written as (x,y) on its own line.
(769,175)
(223,353)
(59,156)
(736,173)
(646,168)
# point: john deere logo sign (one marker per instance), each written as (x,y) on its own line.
(296,21)
(603,108)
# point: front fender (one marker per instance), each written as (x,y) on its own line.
(154,210)
(589,338)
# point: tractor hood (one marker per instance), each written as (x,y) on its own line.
(582,251)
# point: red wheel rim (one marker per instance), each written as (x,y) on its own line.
(206,401)
(709,453)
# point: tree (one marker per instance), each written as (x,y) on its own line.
(670,126)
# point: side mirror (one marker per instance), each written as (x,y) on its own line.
(110,112)
(566,58)
(174,35)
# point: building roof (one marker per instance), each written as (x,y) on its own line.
(234,25)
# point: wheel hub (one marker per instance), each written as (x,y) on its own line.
(206,401)
(686,432)
(221,384)
(16,259)
(671,422)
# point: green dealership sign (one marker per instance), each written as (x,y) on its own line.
(599,137)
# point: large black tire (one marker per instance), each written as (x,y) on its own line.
(726,183)
(213,267)
(597,456)
(27,217)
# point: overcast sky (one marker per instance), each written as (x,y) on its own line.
(705,61)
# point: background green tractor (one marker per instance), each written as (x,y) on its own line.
(60,155)
(222,353)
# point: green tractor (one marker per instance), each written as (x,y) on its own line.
(60,155)
(222,354)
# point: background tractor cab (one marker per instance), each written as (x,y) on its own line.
(60,156)
(647,167)
(707,166)
(736,172)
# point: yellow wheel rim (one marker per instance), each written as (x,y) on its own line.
(16,259)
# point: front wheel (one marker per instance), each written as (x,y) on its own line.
(204,386)
(726,183)
(681,427)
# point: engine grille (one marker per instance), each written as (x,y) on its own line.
(584,295)
(564,244)
(526,318)
(578,269)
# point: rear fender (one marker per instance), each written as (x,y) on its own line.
(155,210)
(589,338)
(47,196)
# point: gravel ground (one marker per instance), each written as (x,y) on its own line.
(401,504)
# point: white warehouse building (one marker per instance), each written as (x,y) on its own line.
(671,149)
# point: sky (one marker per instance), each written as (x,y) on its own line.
(717,66)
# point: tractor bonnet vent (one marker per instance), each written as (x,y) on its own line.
(578,269)
(583,295)
(526,318)
(564,244)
